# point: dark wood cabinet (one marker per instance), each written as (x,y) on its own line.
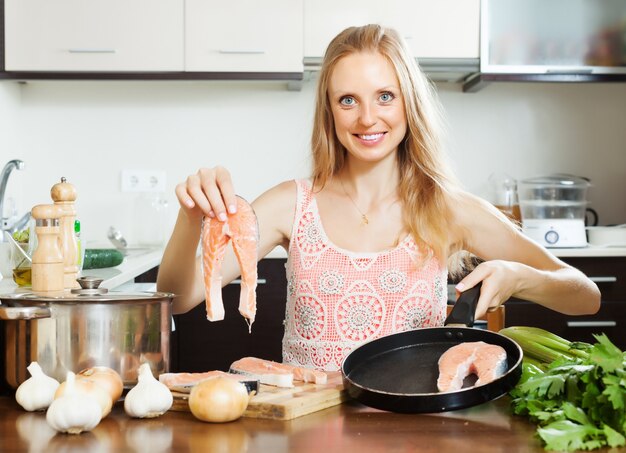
(201,345)
(609,273)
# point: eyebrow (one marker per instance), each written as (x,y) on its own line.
(385,88)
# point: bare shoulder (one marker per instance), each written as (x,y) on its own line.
(278,196)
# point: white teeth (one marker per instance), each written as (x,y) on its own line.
(371,137)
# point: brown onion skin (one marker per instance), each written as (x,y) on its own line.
(218,400)
(105,377)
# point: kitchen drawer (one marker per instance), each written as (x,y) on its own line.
(609,273)
(202,345)
(611,320)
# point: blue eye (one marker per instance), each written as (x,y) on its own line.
(386,97)
(347,101)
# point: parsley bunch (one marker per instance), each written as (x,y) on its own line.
(578,403)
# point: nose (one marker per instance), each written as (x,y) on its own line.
(368,114)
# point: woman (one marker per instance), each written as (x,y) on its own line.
(369,236)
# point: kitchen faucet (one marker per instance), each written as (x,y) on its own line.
(14,164)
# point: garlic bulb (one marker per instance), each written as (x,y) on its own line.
(36,392)
(149,398)
(75,411)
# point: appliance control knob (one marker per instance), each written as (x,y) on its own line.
(552,237)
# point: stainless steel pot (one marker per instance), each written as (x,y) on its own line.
(71,331)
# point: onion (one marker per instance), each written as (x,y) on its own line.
(218,399)
(91,388)
(105,377)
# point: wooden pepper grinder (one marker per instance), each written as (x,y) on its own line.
(64,195)
(47,266)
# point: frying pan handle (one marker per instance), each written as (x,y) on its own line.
(464,308)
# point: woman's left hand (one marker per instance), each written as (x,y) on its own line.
(500,280)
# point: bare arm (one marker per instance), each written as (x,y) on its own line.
(209,192)
(517,266)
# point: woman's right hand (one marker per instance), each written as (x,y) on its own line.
(208,192)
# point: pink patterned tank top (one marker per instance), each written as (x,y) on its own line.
(338,299)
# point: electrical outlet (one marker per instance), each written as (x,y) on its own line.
(143,180)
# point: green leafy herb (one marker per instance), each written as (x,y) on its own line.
(579,402)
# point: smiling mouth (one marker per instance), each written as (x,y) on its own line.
(370,137)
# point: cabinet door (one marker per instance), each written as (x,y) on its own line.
(432,29)
(94,35)
(243,36)
(200,345)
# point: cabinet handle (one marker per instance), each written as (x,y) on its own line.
(242,51)
(91,50)
(260,281)
(591,323)
(609,279)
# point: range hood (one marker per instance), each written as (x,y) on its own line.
(453,70)
(551,41)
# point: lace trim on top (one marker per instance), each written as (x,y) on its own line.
(337,299)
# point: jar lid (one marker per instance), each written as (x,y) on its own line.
(561,180)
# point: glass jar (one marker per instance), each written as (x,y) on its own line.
(504,195)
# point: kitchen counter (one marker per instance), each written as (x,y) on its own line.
(136,262)
(588,252)
(349,427)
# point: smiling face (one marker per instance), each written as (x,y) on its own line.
(367,106)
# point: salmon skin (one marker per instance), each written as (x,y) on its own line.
(486,361)
(281,374)
(240,229)
(184,382)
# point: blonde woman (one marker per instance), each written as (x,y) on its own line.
(370,234)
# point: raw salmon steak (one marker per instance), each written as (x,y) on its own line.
(242,231)
(486,361)
(183,382)
(274,373)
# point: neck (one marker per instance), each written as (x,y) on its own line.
(369,183)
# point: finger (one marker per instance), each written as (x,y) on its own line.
(208,186)
(194,189)
(225,184)
(183,196)
(472,279)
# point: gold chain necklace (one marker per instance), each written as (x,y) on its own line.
(364,219)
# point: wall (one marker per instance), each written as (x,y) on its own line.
(90,131)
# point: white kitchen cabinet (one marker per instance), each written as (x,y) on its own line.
(432,29)
(244,35)
(94,35)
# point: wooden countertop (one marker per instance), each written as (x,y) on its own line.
(350,427)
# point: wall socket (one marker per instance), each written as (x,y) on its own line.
(143,180)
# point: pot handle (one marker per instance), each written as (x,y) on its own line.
(23,313)
(464,309)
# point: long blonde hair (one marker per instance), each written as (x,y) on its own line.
(425,179)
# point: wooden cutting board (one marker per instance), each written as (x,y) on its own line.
(285,403)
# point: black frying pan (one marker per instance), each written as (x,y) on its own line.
(399,372)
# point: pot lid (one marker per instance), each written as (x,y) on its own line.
(561,180)
(88,293)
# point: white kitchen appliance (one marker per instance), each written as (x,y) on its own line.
(553,210)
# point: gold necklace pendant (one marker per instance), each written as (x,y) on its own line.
(364,219)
